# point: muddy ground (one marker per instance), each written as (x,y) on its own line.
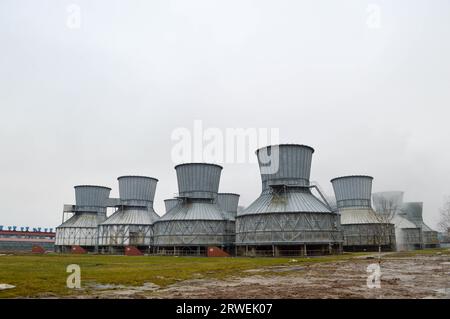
(419,276)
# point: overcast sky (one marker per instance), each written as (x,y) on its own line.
(367,84)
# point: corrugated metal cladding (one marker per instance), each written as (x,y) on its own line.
(287,214)
(198,180)
(292,201)
(387,200)
(91,196)
(228,202)
(414,213)
(294,164)
(196,210)
(413,210)
(132,216)
(84,220)
(90,211)
(136,200)
(196,219)
(132,223)
(137,188)
(353,191)
(170,203)
(358,216)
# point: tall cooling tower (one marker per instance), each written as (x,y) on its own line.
(287,219)
(131,224)
(407,235)
(89,211)
(197,221)
(363,228)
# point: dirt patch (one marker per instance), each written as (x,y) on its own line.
(118,291)
(409,277)
(420,276)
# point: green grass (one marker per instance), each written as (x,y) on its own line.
(428,251)
(45,275)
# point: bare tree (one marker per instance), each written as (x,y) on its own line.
(444,221)
(385,210)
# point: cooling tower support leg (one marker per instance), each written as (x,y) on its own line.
(276,251)
(305,252)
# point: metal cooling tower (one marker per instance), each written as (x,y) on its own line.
(88,212)
(287,219)
(363,228)
(407,235)
(131,224)
(197,222)
(388,202)
(413,211)
(170,203)
(229,203)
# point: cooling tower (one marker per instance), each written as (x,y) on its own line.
(407,235)
(170,203)
(388,202)
(88,212)
(413,211)
(363,228)
(131,224)
(287,219)
(229,203)
(197,221)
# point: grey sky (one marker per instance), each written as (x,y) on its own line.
(87,105)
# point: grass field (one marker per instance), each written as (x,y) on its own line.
(45,275)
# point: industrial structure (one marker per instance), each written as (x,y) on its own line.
(363,228)
(291,217)
(197,222)
(81,229)
(287,219)
(414,211)
(407,235)
(131,224)
(229,203)
(170,203)
(24,239)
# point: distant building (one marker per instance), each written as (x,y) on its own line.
(23,240)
